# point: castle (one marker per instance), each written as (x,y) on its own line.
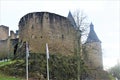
(39,28)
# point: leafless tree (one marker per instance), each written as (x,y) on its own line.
(81,31)
(82,23)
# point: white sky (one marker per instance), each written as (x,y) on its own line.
(105,15)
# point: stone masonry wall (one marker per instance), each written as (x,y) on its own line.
(4,32)
(42,27)
(93,55)
(4,44)
(12,35)
(4,49)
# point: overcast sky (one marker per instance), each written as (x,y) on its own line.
(105,15)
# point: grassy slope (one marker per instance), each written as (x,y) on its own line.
(6,63)
(59,67)
(4,76)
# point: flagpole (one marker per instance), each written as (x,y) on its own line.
(27,60)
(47,56)
(47,70)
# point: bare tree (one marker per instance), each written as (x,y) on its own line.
(81,31)
(82,23)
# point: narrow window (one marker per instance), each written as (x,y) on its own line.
(62,36)
(32,27)
(41,37)
(33,36)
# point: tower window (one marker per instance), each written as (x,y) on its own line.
(33,36)
(62,36)
(41,37)
(32,27)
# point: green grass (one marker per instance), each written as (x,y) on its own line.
(6,77)
(111,77)
(6,63)
(9,62)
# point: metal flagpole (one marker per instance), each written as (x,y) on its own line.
(47,54)
(27,54)
(47,70)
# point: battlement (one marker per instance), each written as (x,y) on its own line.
(14,35)
(39,15)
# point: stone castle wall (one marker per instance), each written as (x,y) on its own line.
(7,42)
(43,27)
(4,32)
(4,49)
(12,35)
(93,55)
(4,44)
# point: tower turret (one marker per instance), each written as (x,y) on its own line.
(92,48)
(92,37)
(71,19)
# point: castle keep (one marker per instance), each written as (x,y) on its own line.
(40,28)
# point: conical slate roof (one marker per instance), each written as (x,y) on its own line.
(92,37)
(70,17)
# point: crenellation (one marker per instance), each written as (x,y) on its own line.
(12,34)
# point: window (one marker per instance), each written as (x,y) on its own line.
(32,27)
(41,37)
(62,36)
(33,36)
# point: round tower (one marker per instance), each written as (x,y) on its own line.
(93,51)
(39,28)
